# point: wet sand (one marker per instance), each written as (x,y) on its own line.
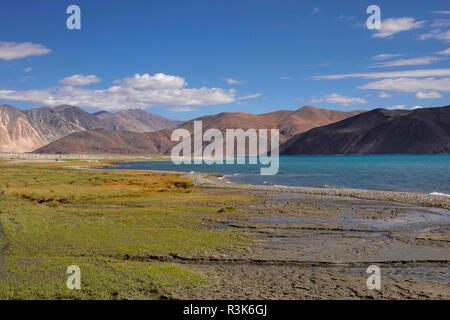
(319,247)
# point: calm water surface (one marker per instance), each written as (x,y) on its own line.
(414,173)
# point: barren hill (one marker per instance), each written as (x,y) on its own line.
(109,142)
(135,120)
(288,122)
(24,131)
(106,142)
(380,131)
(27,130)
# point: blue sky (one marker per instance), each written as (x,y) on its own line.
(184,59)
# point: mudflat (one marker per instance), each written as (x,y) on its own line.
(319,247)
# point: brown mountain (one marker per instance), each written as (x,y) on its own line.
(106,142)
(79,117)
(51,125)
(136,120)
(288,122)
(103,142)
(24,131)
(27,130)
(16,132)
(380,131)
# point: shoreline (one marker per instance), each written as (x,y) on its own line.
(421,199)
(212,181)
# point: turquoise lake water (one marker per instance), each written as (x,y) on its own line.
(414,173)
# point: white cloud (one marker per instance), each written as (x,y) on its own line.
(285,78)
(445,52)
(391,26)
(416,107)
(315,10)
(428,95)
(336,98)
(158,81)
(385,56)
(385,95)
(436,34)
(79,80)
(397,107)
(441,12)
(409,85)
(407,62)
(14,50)
(394,74)
(136,92)
(440,23)
(233,81)
(27,69)
(182,109)
(250,96)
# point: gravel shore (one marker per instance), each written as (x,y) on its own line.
(428,200)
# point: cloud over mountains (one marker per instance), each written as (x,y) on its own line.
(139,91)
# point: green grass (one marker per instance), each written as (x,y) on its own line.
(52,218)
(43,278)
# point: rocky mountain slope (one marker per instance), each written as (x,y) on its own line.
(288,122)
(380,131)
(28,130)
(106,142)
(16,132)
(24,131)
(135,120)
(80,117)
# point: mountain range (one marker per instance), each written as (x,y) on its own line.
(305,131)
(380,131)
(27,130)
(288,122)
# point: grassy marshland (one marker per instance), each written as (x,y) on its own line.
(51,218)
